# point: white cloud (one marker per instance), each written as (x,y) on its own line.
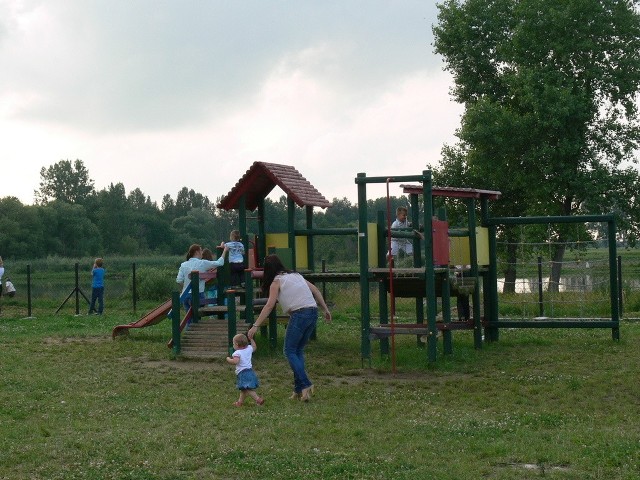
(162,94)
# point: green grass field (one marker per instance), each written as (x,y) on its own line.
(559,404)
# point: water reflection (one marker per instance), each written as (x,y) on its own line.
(578,283)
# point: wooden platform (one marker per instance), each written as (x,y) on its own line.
(386,330)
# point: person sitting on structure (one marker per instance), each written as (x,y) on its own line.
(401,246)
(9,288)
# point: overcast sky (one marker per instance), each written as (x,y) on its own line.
(162,94)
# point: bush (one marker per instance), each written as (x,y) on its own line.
(155,283)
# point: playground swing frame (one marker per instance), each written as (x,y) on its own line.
(494,323)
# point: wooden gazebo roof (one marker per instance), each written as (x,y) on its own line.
(262,177)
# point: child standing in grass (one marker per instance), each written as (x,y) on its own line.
(97,287)
(246,379)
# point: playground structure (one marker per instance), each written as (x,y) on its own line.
(432,276)
(438,249)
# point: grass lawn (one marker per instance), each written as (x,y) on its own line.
(559,404)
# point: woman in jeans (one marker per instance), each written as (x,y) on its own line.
(300,300)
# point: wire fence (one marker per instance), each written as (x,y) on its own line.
(133,288)
(130,290)
(41,292)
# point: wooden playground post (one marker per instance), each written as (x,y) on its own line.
(430,287)
(175,322)
(195,296)
(363,249)
(613,277)
(473,254)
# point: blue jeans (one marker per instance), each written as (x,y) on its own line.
(299,330)
(97,293)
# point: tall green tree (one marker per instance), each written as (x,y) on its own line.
(113,218)
(188,199)
(68,232)
(550,94)
(21,232)
(65,181)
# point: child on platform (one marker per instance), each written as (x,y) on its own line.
(236,258)
(401,246)
(246,379)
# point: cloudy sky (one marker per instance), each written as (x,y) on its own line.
(161,94)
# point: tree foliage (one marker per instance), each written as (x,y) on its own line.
(71,221)
(550,94)
(65,181)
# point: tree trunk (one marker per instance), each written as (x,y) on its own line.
(510,271)
(556,267)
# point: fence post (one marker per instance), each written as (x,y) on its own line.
(77,289)
(134,293)
(29,290)
(540,302)
(620,283)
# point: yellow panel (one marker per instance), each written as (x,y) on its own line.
(278,240)
(281,240)
(372,242)
(482,242)
(302,259)
(459,248)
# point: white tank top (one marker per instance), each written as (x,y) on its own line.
(294,292)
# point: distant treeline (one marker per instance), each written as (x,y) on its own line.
(112,222)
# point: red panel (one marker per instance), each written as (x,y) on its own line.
(440,242)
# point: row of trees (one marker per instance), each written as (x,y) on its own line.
(550,90)
(71,219)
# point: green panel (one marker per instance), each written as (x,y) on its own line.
(286,256)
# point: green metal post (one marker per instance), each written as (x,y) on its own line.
(134,292)
(291,221)
(363,250)
(175,322)
(77,289)
(613,278)
(415,223)
(447,340)
(417,258)
(242,224)
(29,310)
(473,252)
(231,319)
(195,296)
(249,295)
(310,249)
(493,333)
(383,305)
(430,286)
(262,236)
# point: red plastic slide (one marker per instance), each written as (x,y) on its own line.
(154,316)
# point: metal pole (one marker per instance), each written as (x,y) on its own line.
(363,249)
(77,290)
(28,290)
(175,322)
(620,283)
(613,278)
(324,284)
(134,292)
(540,302)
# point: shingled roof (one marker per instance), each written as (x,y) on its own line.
(262,177)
